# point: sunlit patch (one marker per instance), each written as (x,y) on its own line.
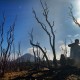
(78,20)
(76,11)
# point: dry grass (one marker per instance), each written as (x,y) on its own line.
(12,75)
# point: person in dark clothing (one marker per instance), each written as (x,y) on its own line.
(75,50)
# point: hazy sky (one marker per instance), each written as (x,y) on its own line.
(58,11)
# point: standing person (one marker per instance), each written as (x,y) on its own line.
(75,50)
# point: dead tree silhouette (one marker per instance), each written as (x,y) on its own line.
(36,45)
(37,58)
(34,55)
(5,53)
(50,34)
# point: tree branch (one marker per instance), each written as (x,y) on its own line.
(41,50)
(71,14)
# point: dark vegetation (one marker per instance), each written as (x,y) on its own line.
(41,68)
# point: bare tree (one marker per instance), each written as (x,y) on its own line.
(5,53)
(2,33)
(14,51)
(50,33)
(36,45)
(38,53)
(64,49)
(73,17)
(19,55)
(34,54)
(19,49)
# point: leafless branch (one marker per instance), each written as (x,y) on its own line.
(50,33)
(36,45)
(71,14)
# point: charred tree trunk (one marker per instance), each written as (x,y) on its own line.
(50,33)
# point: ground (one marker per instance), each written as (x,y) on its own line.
(12,75)
(61,73)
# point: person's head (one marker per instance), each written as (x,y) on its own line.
(77,41)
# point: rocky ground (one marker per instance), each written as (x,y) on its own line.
(61,73)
